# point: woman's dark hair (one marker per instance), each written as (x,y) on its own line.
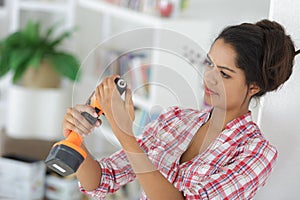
(264,52)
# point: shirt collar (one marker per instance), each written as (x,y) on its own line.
(239,121)
(232,128)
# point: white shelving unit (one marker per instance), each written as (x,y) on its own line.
(183,25)
(65,8)
(119,12)
(3,11)
(3,17)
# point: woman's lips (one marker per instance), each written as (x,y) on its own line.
(209,91)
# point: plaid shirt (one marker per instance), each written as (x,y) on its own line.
(234,166)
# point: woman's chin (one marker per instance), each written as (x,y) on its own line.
(207,102)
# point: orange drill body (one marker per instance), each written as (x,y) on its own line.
(66,156)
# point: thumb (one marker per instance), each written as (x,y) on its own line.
(128,98)
(129,104)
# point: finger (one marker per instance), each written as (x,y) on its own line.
(98,123)
(114,77)
(128,98)
(67,128)
(67,132)
(74,125)
(70,127)
(129,103)
(99,92)
(79,121)
(85,108)
(111,82)
(106,86)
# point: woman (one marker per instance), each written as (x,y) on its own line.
(216,153)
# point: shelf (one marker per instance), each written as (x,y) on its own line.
(46,6)
(121,13)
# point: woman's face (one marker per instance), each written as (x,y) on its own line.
(225,84)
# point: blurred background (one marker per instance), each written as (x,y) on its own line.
(156,45)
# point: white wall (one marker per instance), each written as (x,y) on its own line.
(281,115)
(227,12)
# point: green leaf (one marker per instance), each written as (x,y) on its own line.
(15,39)
(19,73)
(19,57)
(51,30)
(4,66)
(66,65)
(28,47)
(36,59)
(32,31)
(60,38)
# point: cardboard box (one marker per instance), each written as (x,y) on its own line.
(62,188)
(31,148)
(21,178)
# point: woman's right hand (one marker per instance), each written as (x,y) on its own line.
(75,121)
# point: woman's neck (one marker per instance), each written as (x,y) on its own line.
(220,117)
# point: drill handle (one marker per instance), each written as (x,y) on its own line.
(121,86)
(92,120)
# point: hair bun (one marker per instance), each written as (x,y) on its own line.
(279,52)
(268,25)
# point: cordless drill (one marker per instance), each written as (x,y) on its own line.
(66,156)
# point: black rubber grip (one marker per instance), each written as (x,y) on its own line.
(92,120)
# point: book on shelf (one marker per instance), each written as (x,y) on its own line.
(162,8)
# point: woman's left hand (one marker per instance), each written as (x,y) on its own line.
(119,113)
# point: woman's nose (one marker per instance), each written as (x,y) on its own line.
(211,76)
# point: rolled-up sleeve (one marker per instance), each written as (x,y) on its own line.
(117,170)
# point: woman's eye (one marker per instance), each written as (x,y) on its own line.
(208,63)
(224,75)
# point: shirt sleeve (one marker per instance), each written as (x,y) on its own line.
(238,179)
(117,170)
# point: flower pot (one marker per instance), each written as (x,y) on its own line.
(36,113)
(43,76)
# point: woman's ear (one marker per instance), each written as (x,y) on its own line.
(253,89)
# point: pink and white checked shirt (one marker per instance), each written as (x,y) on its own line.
(234,166)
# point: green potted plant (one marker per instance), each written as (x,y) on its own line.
(36,101)
(35,59)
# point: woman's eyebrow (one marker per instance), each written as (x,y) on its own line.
(226,68)
(209,59)
(222,67)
